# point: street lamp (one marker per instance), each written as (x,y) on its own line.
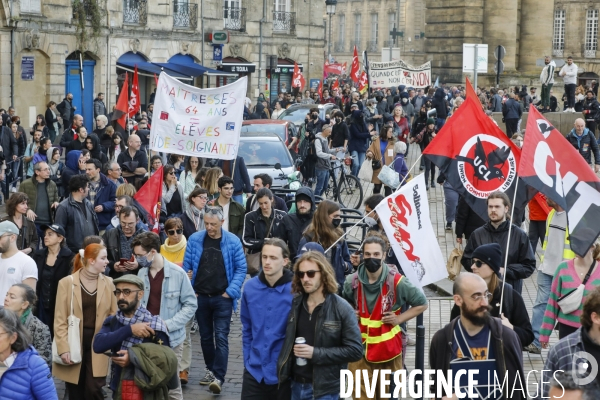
(330,6)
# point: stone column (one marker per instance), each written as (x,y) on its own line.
(500,27)
(537,28)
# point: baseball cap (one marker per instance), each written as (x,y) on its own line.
(55,228)
(310,246)
(8,227)
(130,278)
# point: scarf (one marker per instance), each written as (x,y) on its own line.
(25,315)
(196,216)
(140,315)
(167,193)
(174,252)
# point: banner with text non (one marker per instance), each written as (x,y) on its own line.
(197,122)
(395,73)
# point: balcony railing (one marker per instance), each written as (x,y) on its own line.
(339,47)
(185,15)
(372,45)
(85,6)
(234,19)
(589,53)
(557,53)
(135,12)
(284,21)
(355,43)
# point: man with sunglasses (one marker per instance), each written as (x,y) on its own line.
(133,324)
(168,293)
(216,259)
(475,340)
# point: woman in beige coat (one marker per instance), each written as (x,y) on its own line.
(382,150)
(93,301)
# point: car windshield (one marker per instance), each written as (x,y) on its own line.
(278,129)
(296,115)
(261,153)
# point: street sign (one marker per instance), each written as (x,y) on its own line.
(499,52)
(217,52)
(469,58)
(500,64)
(220,37)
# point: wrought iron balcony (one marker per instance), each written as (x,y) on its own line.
(85,6)
(355,43)
(185,15)
(589,53)
(339,47)
(558,53)
(284,21)
(372,45)
(135,12)
(234,19)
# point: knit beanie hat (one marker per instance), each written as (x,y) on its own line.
(430,121)
(491,254)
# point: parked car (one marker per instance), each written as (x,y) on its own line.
(285,129)
(297,112)
(261,151)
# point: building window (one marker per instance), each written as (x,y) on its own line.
(281,5)
(558,38)
(31,6)
(374,28)
(342,28)
(357,29)
(591,30)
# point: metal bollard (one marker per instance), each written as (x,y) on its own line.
(420,349)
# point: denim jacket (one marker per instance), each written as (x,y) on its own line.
(178,302)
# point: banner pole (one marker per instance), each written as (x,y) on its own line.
(512,212)
(372,211)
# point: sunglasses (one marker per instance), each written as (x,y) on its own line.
(171,232)
(478,263)
(311,273)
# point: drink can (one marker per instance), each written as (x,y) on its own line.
(299,360)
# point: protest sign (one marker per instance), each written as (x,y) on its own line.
(197,122)
(395,73)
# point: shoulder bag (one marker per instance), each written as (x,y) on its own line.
(73,337)
(253,260)
(572,300)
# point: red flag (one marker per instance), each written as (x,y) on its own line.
(156,80)
(477,159)
(320,89)
(344,68)
(120,113)
(355,71)
(335,85)
(554,167)
(149,197)
(363,83)
(298,79)
(134,100)
(471,91)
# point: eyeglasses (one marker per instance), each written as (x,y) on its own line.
(311,273)
(478,263)
(171,232)
(128,224)
(479,296)
(202,197)
(125,292)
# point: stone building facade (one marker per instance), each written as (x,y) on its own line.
(528,30)
(368,24)
(42,40)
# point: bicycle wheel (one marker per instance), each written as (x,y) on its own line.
(350,192)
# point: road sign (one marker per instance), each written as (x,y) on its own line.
(499,52)
(469,58)
(220,37)
(500,64)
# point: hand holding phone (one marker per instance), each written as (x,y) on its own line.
(112,354)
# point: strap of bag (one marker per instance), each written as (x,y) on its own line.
(589,273)
(72,292)
(272,222)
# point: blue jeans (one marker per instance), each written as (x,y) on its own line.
(214,319)
(544,284)
(322,180)
(450,201)
(304,391)
(357,160)
(239,198)
(439,123)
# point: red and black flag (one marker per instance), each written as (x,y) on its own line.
(477,159)
(121,109)
(550,164)
(149,196)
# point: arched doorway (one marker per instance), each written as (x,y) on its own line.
(80,82)
(586,78)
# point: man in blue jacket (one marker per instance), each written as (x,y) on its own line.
(585,142)
(266,302)
(102,193)
(511,112)
(216,259)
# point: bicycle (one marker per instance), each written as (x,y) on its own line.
(347,191)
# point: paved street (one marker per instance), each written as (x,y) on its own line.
(435,317)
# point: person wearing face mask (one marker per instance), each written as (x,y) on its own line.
(161,279)
(409,109)
(359,138)
(378,292)
(339,132)
(325,230)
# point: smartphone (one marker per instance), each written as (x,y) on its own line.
(123,261)
(112,354)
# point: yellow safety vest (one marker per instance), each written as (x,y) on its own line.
(568,254)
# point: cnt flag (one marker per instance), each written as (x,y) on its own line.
(363,84)
(477,159)
(298,79)
(550,164)
(149,196)
(355,69)
(120,113)
(404,216)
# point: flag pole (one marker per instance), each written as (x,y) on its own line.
(512,212)
(373,210)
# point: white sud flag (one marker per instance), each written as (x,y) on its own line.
(405,218)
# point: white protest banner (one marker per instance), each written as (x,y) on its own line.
(396,73)
(197,122)
(405,218)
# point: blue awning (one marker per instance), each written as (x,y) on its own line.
(193,69)
(149,69)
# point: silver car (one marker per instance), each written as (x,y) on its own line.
(261,151)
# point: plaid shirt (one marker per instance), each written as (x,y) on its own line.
(561,357)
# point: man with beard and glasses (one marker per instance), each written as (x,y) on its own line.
(378,292)
(521,260)
(475,340)
(298,221)
(132,325)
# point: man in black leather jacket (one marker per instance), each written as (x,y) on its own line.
(521,260)
(338,341)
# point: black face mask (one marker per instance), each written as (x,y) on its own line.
(338,120)
(336,222)
(372,264)
(18,122)
(314,116)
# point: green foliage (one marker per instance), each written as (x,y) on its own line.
(84,11)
